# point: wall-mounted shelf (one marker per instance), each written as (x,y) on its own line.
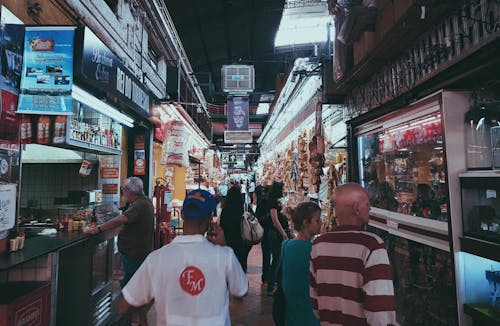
(480,248)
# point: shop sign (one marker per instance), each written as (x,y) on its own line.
(101,69)
(140,155)
(110,189)
(7,206)
(109,178)
(47,73)
(110,173)
(237,113)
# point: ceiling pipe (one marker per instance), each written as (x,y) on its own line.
(181,54)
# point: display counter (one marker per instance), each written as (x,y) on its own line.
(82,271)
(38,246)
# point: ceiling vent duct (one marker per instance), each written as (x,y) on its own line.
(237,79)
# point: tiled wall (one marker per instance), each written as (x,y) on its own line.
(41,183)
(34,270)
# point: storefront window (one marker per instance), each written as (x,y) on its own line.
(402,168)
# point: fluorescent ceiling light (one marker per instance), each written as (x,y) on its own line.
(304,25)
(90,100)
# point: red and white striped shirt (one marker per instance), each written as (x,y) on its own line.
(351,279)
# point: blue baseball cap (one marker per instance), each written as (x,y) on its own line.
(204,202)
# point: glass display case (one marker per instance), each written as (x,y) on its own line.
(402,167)
(92,130)
(480,193)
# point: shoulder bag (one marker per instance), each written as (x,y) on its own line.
(251,230)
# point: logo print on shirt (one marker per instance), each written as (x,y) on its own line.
(192,280)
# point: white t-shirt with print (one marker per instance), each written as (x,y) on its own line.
(190,280)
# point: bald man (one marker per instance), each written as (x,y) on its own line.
(350,273)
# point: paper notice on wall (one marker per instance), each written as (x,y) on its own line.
(7,206)
(491,193)
(175,144)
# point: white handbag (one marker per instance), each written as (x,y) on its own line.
(251,230)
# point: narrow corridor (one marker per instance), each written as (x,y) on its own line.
(256,307)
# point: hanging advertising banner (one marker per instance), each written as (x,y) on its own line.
(109,178)
(99,68)
(47,73)
(237,113)
(11,58)
(140,155)
(9,124)
(175,148)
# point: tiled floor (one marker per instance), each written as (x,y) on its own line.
(256,307)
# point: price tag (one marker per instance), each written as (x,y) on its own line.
(392,224)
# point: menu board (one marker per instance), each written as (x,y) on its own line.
(7,206)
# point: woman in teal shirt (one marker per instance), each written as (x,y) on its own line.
(295,257)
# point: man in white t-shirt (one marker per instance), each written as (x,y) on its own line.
(191,278)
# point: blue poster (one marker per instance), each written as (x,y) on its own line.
(237,113)
(47,74)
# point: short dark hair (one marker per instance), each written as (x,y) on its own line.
(304,212)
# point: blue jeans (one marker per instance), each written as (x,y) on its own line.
(130,265)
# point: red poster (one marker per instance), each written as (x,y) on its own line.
(140,155)
(110,173)
(9,130)
(110,188)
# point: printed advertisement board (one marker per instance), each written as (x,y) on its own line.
(47,73)
(237,113)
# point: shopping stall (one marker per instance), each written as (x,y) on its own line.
(409,161)
(66,152)
(306,150)
(179,164)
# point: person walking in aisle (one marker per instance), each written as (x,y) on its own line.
(278,232)
(295,258)
(262,213)
(230,221)
(350,273)
(191,278)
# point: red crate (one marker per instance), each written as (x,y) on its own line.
(25,304)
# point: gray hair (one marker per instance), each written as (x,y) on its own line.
(135,186)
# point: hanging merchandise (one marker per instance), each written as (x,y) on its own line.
(59,132)
(175,147)
(43,130)
(86,168)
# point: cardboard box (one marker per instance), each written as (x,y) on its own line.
(25,303)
